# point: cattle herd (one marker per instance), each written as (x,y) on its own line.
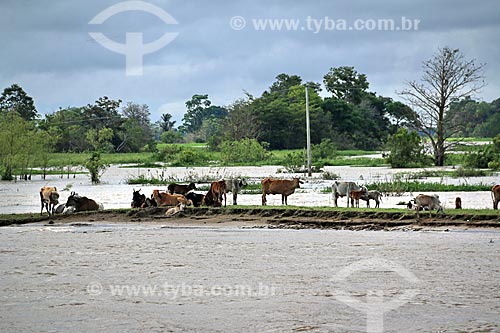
(179,196)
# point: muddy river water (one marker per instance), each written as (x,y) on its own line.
(153,277)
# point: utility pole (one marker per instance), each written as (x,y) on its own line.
(308,136)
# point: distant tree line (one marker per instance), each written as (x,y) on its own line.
(349,117)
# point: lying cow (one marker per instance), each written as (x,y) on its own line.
(342,189)
(175,210)
(196,198)
(279,186)
(431,202)
(181,189)
(234,185)
(49,198)
(372,195)
(495,195)
(166,199)
(82,204)
(138,199)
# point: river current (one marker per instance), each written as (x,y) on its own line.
(152,277)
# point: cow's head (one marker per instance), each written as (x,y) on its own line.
(138,199)
(242,183)
(297,181)
(73,200)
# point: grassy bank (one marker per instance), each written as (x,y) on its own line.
(280,217)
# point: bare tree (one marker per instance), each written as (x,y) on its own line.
(447,77)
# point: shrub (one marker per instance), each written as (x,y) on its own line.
(243,151)
(325,150)
(168,153)
(189,158)
(405,149)
(171,137)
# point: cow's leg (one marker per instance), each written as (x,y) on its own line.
(348,193)
(235,196)
(264,201)
(335,196)
(495,203)
(377,203)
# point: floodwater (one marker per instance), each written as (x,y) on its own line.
(154,278)
(23,197)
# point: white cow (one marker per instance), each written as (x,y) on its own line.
(342,189)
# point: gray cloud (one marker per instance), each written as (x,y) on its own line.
(47,49)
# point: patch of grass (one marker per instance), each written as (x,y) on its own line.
(405,186)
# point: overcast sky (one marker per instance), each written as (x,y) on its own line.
(47,48)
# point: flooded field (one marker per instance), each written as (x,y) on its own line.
(161,278)
(23,197)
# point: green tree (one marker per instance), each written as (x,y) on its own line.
(104,113)
(346,84)
(14,98)
(281,118)
(21,144)
(166,123)
(68,129)
(100,139)
(96,167)
(447,77)
(136,129)
(405,149)
(242,121)
(193,118)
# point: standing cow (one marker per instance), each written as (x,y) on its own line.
(495,195)
(428,201)
(342,189)
(181,189)
(279,186)
(215,194)
(235,185)
(49,198)
(372,195)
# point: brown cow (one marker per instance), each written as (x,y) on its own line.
(49,198)
(166,199)
(495,195)
(215,194)
(279,186)
(356,195)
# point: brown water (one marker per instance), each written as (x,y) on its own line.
(75,278)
